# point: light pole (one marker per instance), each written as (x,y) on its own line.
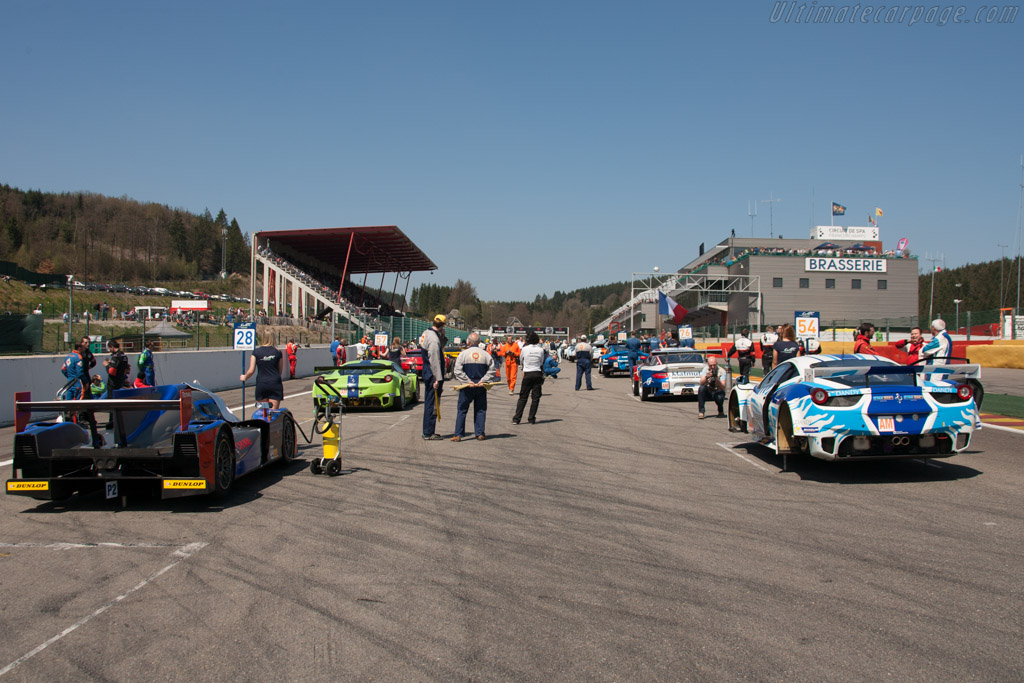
(1002,258)
(71,309)
(957,301)
(223,253)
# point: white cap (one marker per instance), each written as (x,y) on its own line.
(939,324)
(813,344)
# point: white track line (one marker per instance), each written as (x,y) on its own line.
(253,404)
(1001,428)
(183,552)
(400,421)
(740,455)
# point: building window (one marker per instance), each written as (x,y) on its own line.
(855,284)
(830,283)
(776,282)
(805,283)
(883,284)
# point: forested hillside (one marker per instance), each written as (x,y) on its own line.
(108,239)
(577,309)
(120,240)
(983,287)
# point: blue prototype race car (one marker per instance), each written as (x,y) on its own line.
(174,440)
(859,407)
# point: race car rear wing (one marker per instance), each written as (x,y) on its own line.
(24,406)
(947,372)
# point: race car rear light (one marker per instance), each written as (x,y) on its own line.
(963,393)
(843,401)
(385,380)
(659,375)
(819,396)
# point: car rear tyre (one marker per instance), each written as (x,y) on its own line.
(735,423)
(644,395)
(289,444)
(636,388)
(223,464)
(785,444)
(401,396)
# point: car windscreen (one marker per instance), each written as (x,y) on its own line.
(900,377)
(362,370)
(677,358)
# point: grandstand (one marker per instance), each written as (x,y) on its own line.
(308,274)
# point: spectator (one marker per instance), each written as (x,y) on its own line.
(146,365)
(474,367)
(532,357)
(787,347)
(913,345)
(863,342)
(744,350)
(117,368)
(268,364)
(940,348)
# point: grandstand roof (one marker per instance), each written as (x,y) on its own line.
(375,249)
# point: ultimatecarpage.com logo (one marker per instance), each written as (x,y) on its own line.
(795,12)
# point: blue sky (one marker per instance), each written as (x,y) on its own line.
(525,146)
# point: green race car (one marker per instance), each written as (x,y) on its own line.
(368,383)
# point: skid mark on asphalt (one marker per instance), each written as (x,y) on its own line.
(729,447)
(182,552)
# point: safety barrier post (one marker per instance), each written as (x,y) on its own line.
(968,326)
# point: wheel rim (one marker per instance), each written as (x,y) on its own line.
(288,440)
(225,464)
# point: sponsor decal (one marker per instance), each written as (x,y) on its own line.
(28,486)
(886,424)
(194,484)
(845,265)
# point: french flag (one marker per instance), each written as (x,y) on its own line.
(668,306)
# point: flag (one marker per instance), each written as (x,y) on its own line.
(878,212)
(938,269)
(667,306)
(871,220)
(838,209)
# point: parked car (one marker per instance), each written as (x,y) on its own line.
(859,407)
(671,372)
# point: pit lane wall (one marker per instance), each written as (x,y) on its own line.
(215,369)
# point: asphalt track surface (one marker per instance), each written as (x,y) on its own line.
(613,540)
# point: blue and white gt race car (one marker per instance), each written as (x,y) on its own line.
(616,359)
(859,407)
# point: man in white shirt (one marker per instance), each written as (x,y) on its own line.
(532,360)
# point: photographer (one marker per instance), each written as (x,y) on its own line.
(712,385)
